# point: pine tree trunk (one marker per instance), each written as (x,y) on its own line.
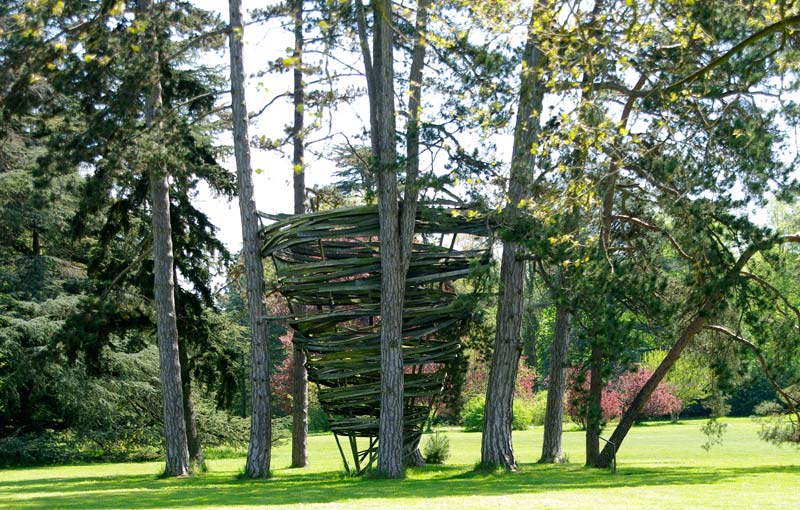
(409,212)
(594,414)
(496,446)
(258,453)
(175,439)
(196,457)
(390,431)
(390,426)
(299,374)
(554,414)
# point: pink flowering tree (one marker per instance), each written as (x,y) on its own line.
(618,395)
(576,403)
(663,401)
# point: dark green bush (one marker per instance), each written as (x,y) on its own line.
(38,449)
(317,419)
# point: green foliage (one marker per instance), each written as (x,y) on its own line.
(691,376)
(523,414)
(472,414)
(436,449)
(539,408)
(317,419)
(714,431)
(37,449)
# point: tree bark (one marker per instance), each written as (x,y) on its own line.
(594,412)
(175,440)
(390,433)
(409,212)
(196,457)
(554,414)
(496,446)
(259,451)
(379,69)
(299,373)
(396,224)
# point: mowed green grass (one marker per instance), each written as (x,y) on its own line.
(660,466)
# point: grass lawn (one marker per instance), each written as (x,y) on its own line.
(660,466)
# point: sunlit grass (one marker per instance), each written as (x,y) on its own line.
(660,466)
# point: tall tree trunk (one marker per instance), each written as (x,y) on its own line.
(594,413)
(379,69)
(243,387)
(299,373)
(164,286)
(396,225)
(530,326)
(259,451)
(496,447)
(554,414)
(409,213)
(196,456)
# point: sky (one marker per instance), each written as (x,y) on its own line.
(272,179)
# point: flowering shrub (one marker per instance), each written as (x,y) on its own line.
(477,379)
(281,378)
(618,395)
(662,402)
(576,403)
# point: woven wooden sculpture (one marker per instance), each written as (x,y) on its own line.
(328,267)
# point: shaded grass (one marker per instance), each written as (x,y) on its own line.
(659,467)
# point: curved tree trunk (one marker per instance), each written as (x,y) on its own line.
(164,285)
(258,453)
(496,447)
(414,458)
(694,325)
(628,419)
(554,415)
(299,374)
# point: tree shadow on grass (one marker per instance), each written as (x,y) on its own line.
(296,488)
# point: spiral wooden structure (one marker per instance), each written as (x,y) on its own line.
(328,268)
